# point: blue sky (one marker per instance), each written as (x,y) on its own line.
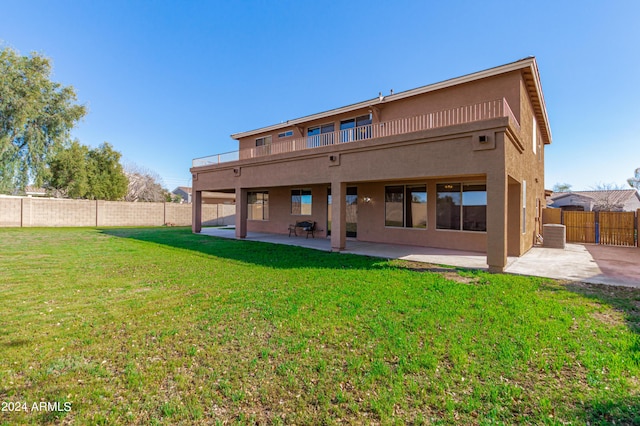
(168,81)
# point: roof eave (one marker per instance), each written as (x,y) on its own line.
(529,63)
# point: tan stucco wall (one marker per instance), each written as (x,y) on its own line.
(424,160)
(10,211)
(523,165)
(440,152)
(492,88)
(371,216)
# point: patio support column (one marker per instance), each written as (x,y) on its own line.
(196,212)
(241,212)
(338,215)
(497,221)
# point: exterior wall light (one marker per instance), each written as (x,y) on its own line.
(366,199)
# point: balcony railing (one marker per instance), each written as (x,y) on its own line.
(433,120)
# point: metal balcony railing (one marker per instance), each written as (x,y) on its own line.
(448,117)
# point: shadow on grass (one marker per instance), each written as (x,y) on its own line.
(625,300)
(623,412)
(253,252)
(280,255)
(17,343)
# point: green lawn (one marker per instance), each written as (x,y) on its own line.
(160,326)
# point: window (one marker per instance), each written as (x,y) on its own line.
(301,202)
(406,206)
(448,206)
(320,135)
(393,202)
(461,206)
(263,141)
(258,206)
(355,128)
(524,206)
(474,207)
(286,134)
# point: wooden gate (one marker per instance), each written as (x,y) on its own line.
(610,228)
(581,226)
(617,228)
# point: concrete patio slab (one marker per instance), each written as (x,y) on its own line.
(590,264)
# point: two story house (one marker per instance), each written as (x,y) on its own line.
(457,164)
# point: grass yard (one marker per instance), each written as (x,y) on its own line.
(160,326)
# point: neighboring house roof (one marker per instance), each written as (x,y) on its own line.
(528,65)
(560,195)
(33,190)
(614,197)
(185,189)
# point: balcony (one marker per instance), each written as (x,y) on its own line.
(448,117)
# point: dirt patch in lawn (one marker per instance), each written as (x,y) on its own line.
(451,274)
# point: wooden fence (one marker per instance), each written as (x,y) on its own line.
(607,228)
(617,228)
(581,226)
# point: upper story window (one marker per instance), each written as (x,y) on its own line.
(355,129)
(320,135)
(266,140)
(286,134)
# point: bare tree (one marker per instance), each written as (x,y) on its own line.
(144,185)
(606,202)
(634,182)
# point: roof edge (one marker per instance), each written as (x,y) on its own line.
(528,62)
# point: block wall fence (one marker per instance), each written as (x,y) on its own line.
(51,212)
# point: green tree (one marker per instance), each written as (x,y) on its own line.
(68,172)
(562,187)
(36,116)
(80,172)
(107,180)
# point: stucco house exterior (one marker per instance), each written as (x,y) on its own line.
(457,164)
